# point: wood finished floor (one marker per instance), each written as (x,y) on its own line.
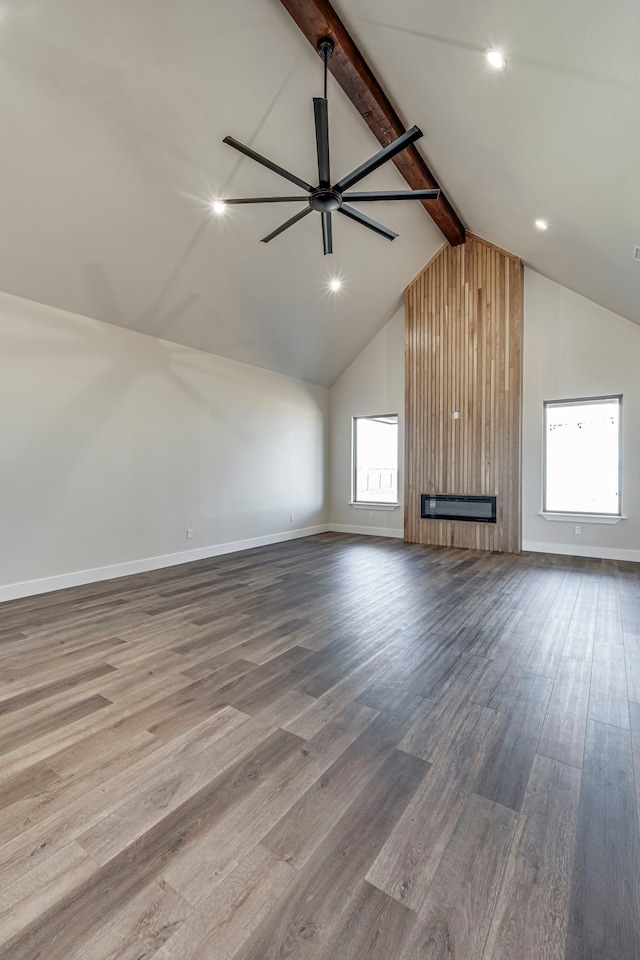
(337,748)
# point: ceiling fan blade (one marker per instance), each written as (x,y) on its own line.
(393,148)
(267,200)
(394,195)
(367,222)
(287,224)
(248,152)
(327,233)
(321,116)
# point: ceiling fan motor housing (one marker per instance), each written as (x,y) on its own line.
(325,201)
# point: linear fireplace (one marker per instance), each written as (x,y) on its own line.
(441,506)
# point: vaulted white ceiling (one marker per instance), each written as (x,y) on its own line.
(113,114)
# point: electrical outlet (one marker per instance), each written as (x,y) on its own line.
(189,534)
(291,518)
(577,529)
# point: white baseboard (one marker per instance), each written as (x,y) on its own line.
(30,588)
(571,550)
(367,531)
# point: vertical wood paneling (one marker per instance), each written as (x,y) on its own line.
(463,352)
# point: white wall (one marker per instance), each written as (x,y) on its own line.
(374,383)
(574,348)
(113,443)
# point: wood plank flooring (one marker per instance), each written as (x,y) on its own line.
(339,748)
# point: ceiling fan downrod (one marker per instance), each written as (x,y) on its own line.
(325,49)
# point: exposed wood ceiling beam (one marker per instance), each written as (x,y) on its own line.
(316,19)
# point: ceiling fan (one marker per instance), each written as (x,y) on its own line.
(328,198)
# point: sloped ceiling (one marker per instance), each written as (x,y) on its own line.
(113,114)
(556,136)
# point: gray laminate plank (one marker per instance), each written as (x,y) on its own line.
(455,916)
(25,816)
(407,863)
(579,640)
(547,650)
(82,802)
(605,900)
(305,922)
(110,887)
(531,915)
(634,718)
(29,728)
(563,731)
(506,671)
(31,697)
(233,911)
(139,929)
(630,609)
(586,606)
(305,825)
(26,785)
(178,783)
(608,701)
(330,704)
(442,717)
(505,771)
(373,927)
(380,695)
(632,663)
(196,873)
(39,890)
(609,616)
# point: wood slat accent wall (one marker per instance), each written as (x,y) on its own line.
(464,352)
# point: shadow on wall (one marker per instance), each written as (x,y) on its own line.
(117,438)
(100,368)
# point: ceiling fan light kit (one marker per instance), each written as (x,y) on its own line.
(328,198)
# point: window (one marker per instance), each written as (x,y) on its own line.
(582,456)
(375,459)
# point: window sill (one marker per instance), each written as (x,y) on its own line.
(373,506)
(582,517)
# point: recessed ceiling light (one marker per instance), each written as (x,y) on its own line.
(496,59)
(542,225)
(335,284)
(218,206)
